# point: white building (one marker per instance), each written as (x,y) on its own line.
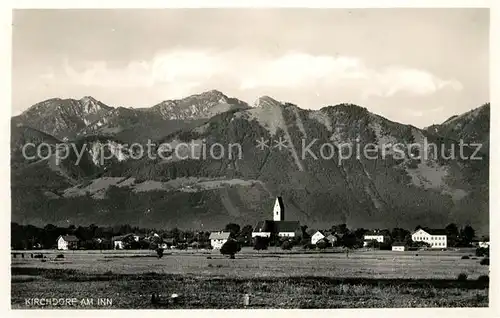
(263,229)
(316,237)
(67,242)
(435,237)
(484,244)
(399,247)
(121,242)
(279,210)
(287,228)
(277,226)
(374,236)
(217,239)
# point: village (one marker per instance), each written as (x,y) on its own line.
(276,232)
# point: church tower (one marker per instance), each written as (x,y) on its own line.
(279,210)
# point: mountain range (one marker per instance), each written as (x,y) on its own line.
(185,191)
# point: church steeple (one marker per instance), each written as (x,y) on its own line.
(279,210)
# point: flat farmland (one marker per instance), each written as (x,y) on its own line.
(272,279)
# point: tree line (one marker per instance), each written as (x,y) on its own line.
(98,237)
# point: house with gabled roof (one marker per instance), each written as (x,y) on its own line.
(217,239)
(67,242)
(316,236)
(437,238)
(121,242)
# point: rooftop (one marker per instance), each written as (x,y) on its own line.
(122,237)
(219,235)
(277,226)
(399,244)
(70,238)
(432,231)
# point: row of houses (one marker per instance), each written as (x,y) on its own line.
(436,238)
(71,242)
(279,227)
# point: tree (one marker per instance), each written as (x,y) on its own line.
(373,244)
(399,234)
(176,234)
(452,229)
(385,232)
(50,227)
(419,244)
(159,252)
(246,235)
(233,228)
(261,243)
(482,251)
(360,233)
(305,235)
(453,235)
(231,247)
(340,229)
(92,228)
(349,240)
(125,229)
(322,244)
(467,235)
(286,245)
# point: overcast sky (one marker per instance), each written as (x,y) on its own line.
(415,66)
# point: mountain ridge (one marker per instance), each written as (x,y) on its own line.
(72,118)
(190,192)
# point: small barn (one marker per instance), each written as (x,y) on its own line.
(217,239)
(67,242)
(399,246)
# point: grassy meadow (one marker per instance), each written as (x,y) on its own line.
(272,279)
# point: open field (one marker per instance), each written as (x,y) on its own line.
(206,279)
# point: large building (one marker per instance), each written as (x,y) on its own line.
(435,237)
(374,236)
(277,226)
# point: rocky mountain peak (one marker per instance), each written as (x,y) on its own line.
(198,106)
(87,99)
(266,101)
(90,105)
(358,191)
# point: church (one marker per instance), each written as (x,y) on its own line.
(277,226)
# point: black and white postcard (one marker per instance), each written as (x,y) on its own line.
(250,158)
